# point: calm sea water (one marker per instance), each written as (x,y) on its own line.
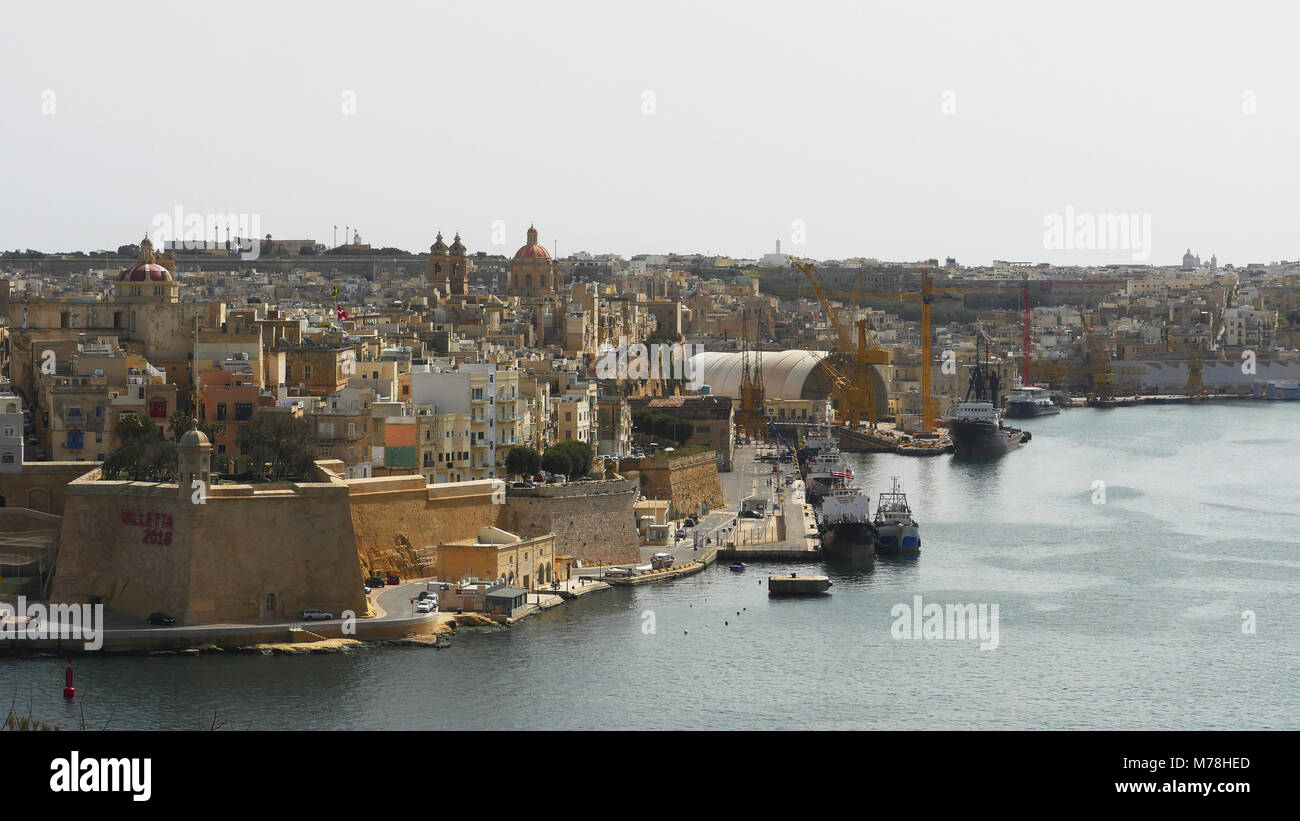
(1124,614)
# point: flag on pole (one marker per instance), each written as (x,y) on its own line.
(342,314)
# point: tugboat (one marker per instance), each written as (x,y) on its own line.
(896,530)
(847,531)
(1023,403)
(975,425)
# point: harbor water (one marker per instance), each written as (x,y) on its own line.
(1145,565)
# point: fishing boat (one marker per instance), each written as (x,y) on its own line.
(896,530)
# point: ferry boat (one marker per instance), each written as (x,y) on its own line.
(1023,403)
(896,530)
(847,530)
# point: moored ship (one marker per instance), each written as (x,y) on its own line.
(824,474)
(975,424)
(847,530)
(1024,403)
(896,530)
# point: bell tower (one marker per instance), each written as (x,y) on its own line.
(439,274)
(457,258)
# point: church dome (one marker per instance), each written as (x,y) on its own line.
(439,247)
(457,247)
(145,269)
(532,250)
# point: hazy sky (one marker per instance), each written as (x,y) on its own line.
(900,131)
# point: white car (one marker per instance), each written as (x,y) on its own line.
(428,605)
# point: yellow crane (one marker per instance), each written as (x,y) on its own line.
(855,385)
(927,295)
(1103,378)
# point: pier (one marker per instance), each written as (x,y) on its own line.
(789,532)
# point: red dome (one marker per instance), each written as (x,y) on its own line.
(532,252)
(142,271)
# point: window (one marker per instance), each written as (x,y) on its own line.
(8,459)
(243,411)
(306,371)
(221,411)
(74,440)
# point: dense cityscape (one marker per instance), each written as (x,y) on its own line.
(418,374)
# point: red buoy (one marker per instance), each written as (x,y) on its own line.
(68,690)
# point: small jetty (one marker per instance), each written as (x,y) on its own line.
(794,585)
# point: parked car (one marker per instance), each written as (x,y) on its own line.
(315,615)
(367,589)
(392,579)
(375,581)
(161,619)
(426,605)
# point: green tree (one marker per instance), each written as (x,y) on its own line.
(523,461)
(579,455)
(556,461)
(144,455)
(278,444)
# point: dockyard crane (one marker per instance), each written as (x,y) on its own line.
(856,387)
(1103,377)
(927,295)
(750,417)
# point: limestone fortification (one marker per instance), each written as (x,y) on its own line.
(592,521)
(686,481)
(254,552)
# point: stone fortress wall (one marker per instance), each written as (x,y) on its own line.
(686,482)
(254,553)
(592,521)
